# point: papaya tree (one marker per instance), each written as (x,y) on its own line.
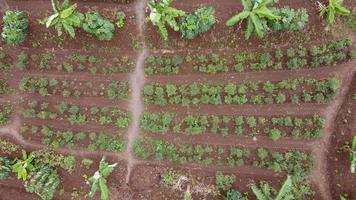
(98,180)
(65,17)
(334,7)
(162,14)
(265,192)
(257,13)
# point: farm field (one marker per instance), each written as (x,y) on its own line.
(114,106)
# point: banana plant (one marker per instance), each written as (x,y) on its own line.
(334,7)
(264,193)
(21,167)
(98,180)
(162,14)
(65,17)
(257,12)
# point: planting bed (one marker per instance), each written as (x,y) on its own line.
(204,116)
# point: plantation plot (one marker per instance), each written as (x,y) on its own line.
(165,99)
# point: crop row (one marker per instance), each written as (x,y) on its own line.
(5,112)
(292,161)
(76,63)
(294,91)
(86,140)
(74,88)
(274,127)
(292,58)
(75,114)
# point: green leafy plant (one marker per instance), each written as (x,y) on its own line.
(200,21)
(5,167)
(120,19)
(334,7)
(224,182)
(15,27)
(162,14)
(257,12)
(21,167)
(265,191)
(43,181)
(291,19)
(95,24)
(65,17)
(98,180)
(233,195)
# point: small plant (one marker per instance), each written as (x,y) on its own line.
(224,182)
(233,195)
(5,167)
(265,192)
(98,180)
(15,27)
(162,14)
(65,17)
(120,19)
(257,12)
(21,167)
(334,7)
(95,24)
(352,149)
(200,21)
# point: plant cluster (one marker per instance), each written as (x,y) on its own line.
(320,91)
(163,64)
(193,24)
(274,127)
(76,115)
(53,159)
(5,61)
(291,19)
(294,162)
(224,182)
(95,24)
(5,112)
(334,7)
(15,26)
(43,181)
(68,88)
(5,167)
(8,147)
(265,191)
(22,60)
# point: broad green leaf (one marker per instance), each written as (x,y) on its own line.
(55,5)
(265,12)
(249,29)
(285,189)
(104,192)
(331,15)
(51,19)
(342,10)
(68,11)
(247,4)
(69,29)
(258,193)
(258,25)
(235,19)
(94,188)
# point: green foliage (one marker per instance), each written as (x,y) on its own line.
(95,24)
(51,158)
(5,168)
(43,181)
(120,19)
(334,7)
(266,192)
(224,182)
(233,195)
(161,14)
(8,147)
(65,17)
(194,24)
(106,142)
(291,19)
(98,180)
(21,167)
(169,177)
(5,112)
(15,26)
(257,12)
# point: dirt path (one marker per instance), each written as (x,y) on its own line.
(137,81)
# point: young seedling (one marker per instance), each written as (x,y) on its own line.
(21,167)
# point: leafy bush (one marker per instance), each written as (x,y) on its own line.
(65,16)
(43,181)
(291,19)
(233,195)
(224,182)
(15,27)
(201,21)
(21,167)
(95,24)
(53,159)
(5,167)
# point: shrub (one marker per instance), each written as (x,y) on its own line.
(233,195)
(291,19)
(5,167)
(224,182)
(201,21)
(95,24)
(15,27)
